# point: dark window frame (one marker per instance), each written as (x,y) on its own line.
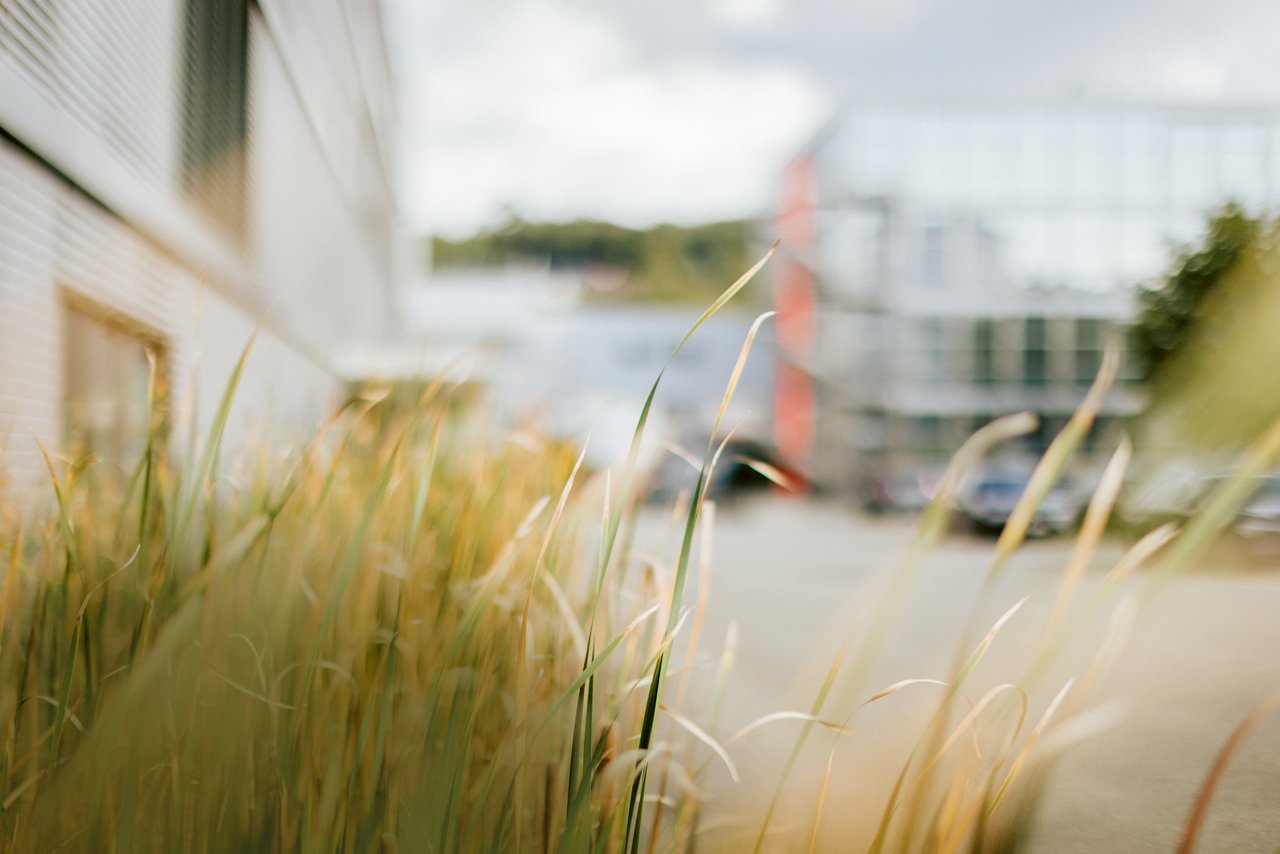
(1035,352)
(215,111)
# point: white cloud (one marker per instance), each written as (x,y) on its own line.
(1195,77)
(686,109)
(552,114)
(687,143)
(752,14)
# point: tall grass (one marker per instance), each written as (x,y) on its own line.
(405,635)
(312,652)
(974,763)
(409,635)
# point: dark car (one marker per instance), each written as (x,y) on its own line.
(1260,516)
(1180,499)
(745,467)
(989,500)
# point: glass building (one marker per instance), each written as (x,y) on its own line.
(942,266)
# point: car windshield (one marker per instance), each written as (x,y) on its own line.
(1268,487)
(1007,489)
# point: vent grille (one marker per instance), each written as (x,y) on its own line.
(108,66)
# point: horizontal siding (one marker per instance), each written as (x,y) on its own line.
(95,88)
(110,65)
(333,65)
(30,318)
(102,260)
(54,245)
(318,266)
(282,394)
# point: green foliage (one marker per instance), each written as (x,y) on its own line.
(666,263)
(1205,333)
(1171,311)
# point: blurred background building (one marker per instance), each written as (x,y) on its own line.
(173,175)
(944,265)
(533,341)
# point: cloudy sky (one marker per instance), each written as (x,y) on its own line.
(684,110)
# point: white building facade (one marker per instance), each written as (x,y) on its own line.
(943,266)
(536,346)
(175,174)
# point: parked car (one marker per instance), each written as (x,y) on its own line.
(1169,495)
(737,474)
(1179,499)
(901,492)
(1253,534)
(895,493)
(1260,516)
(989,499)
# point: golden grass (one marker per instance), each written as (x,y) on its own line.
(313,652)
(409,635)
(373,642)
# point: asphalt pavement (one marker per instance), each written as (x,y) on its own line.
(805,583)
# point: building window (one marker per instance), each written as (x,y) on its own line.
(935,350)
(1093,439)
(1035,354)
(215,116)
(984,351)
(106,383)
(1088,349)
(933,256)
(928,430)
(1047,427)
(977,422)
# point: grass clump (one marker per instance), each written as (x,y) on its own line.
(373,641)
(411,635)
(315,652)
(404,635)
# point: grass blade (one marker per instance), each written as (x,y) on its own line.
(1200,809)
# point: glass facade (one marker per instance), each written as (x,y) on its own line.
(1002,248)
(984,356)
(1088,349)
(1035,352)
(1083,199)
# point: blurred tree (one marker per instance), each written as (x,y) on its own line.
(1172,312)
(1208,335)
(666,263)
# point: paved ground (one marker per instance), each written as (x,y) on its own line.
(802,580)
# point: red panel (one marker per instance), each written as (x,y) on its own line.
(793,401)
(795,209)
(795,303)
